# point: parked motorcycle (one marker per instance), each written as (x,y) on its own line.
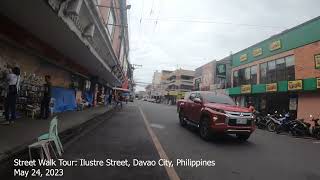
(273,121)
(315,130)
(286,124)
(301,128)
(260,120)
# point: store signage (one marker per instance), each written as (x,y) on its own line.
(275,45)
(245,89)
(271,87)
(257,52)
(295,85)
(221,70)
(243,57)
(173,93)
(317,61)
(318,83)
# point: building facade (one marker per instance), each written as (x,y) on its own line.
(156,87)
(281,73)
(77,42)
(179,82)
(213,76)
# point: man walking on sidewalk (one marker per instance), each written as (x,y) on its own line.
(45,110)
(13,80)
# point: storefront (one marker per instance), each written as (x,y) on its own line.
(68,87)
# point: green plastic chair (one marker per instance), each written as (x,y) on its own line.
(52,135)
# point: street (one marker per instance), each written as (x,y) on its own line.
(265,156)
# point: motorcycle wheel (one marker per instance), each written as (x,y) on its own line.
(272,127)
(317,135)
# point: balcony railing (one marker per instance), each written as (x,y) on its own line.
(84,19)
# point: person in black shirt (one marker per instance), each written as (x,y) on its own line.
(45,110)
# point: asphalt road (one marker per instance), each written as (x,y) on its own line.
(125,136)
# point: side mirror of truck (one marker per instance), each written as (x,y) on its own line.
(197,100)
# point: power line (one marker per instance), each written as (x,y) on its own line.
(211,22)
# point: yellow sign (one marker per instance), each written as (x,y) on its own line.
(257,52)
(275,45)
(295,85)
(318,83)
(173,93)
(317,61)
(245,89)
(271,87)
(243,57)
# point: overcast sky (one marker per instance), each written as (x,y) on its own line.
(166,34)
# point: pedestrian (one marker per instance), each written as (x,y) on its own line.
(251,107)
(110,98)
(45,102)
(13,83)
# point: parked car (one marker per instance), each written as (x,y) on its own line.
(214,114)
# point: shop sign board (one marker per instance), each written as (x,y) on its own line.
(257,52)
(317,61)
(318,83)
(173,93)
(245,89)
(275,45)
(295,85)
(273,87)
(243,57)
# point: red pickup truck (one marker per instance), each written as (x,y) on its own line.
(215,113)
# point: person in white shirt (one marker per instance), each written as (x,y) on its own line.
(13,80)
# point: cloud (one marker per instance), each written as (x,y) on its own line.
(165,38)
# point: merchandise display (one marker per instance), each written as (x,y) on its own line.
(30,94)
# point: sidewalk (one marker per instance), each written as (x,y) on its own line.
(25,131)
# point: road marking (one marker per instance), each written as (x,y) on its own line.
(170,170)
(159,126)
(316,142)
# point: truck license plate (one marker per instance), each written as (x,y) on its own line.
(241,121)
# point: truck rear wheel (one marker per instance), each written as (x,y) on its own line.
(182,118)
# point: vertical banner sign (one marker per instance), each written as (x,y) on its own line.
(197,84)
(294,85)
(293,104)
(317,61)
(245,89)
(221,70)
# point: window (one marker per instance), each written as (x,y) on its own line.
(110,23)
(271,73)
(280,69)
(253,75)
(217,98)
(235,78)
(241,77)
(263,73)
(247,75)
(290,72)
